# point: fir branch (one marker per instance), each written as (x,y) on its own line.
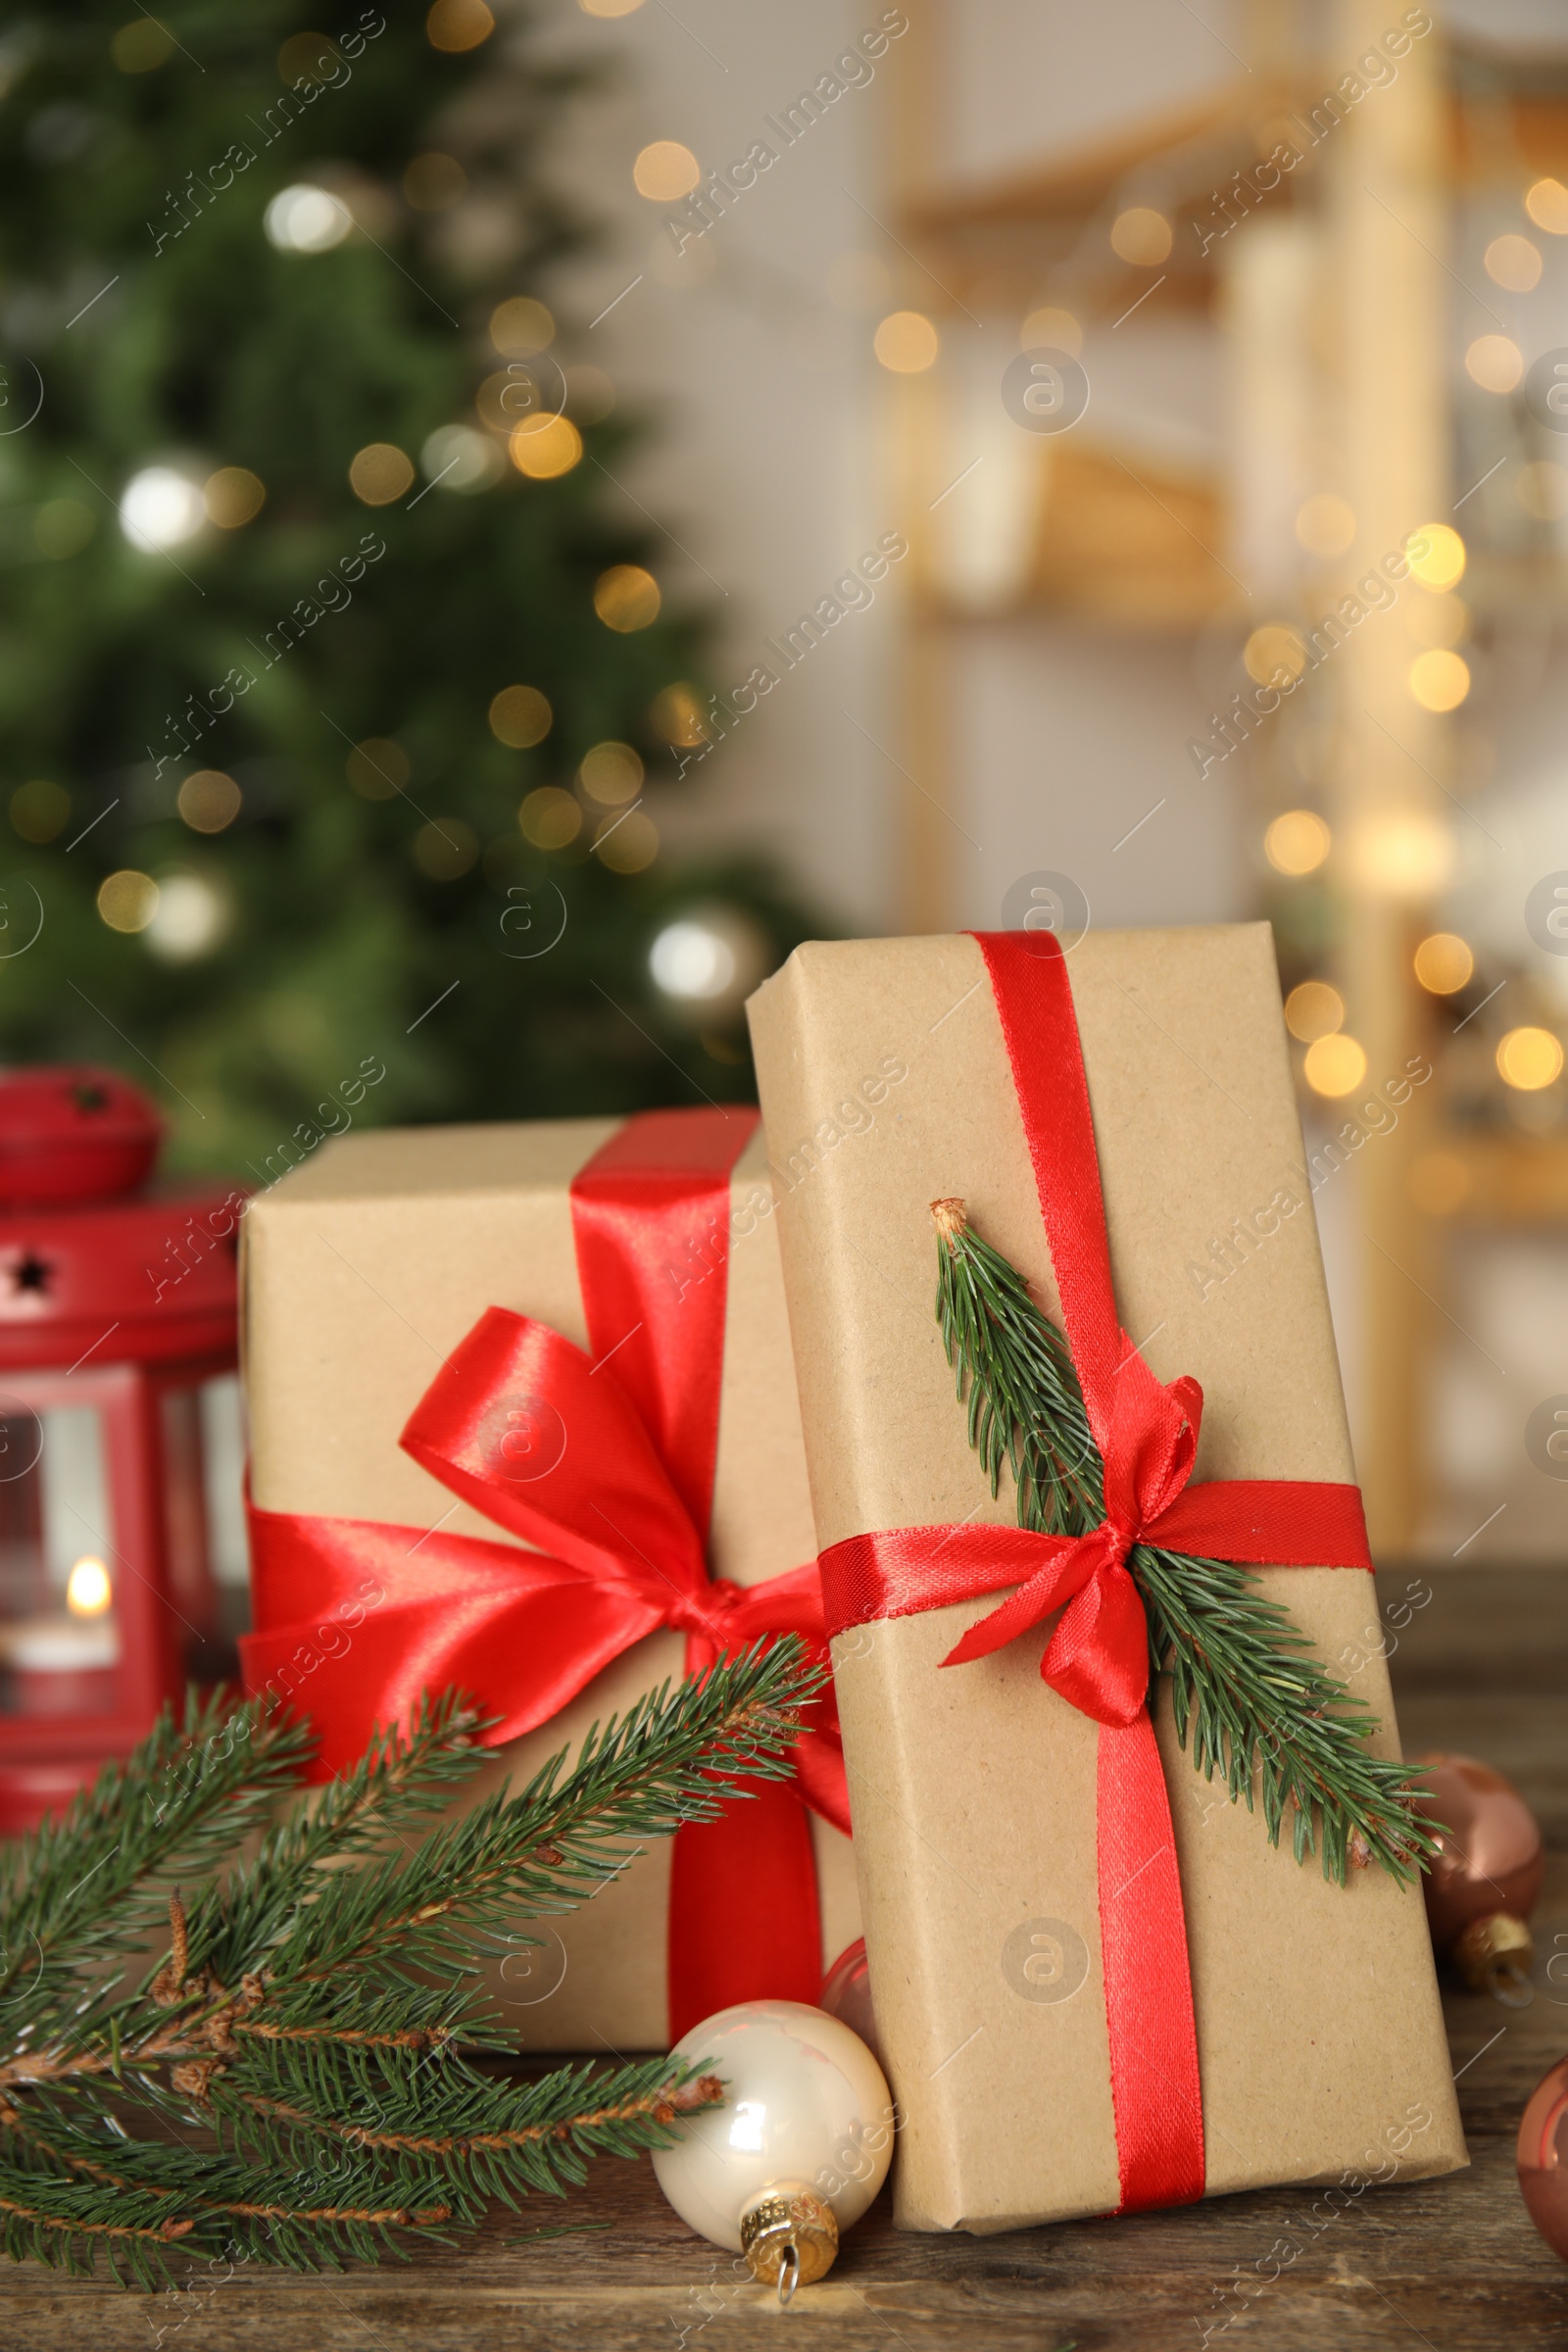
(318,2017)
(1260,1709)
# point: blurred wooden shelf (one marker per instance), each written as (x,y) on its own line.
(1120,540)
(1509,1180)
(1507,117)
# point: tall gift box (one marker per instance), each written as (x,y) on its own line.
(1097,1984)
(523,1421)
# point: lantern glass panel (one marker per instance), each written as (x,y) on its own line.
(204,1516)
(59,1643)
(224,1451)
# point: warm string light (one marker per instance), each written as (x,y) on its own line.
(1297,843)
(1528,1058)
(1443,963)
(906,343)
(1335,1065)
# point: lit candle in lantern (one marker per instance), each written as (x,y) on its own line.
(63,1661)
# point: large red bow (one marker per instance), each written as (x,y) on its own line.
(1097,1657)
(606,1463)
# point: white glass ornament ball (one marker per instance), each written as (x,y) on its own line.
(806,2106)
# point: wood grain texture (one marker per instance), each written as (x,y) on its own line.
(1452,2263)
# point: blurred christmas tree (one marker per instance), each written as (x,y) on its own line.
(330,680)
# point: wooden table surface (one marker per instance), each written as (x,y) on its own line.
(1451,2264)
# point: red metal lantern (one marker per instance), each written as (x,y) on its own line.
(116,1305)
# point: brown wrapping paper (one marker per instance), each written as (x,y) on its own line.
(1319,2032)
(362,1269)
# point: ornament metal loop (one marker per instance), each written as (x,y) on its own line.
(789,2235)
(1494,1954)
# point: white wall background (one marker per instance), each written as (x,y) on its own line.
(753,355)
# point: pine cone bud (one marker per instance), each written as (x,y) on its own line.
(951,1218)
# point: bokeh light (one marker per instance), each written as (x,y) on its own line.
(209,801)
(1335,1065)
(692,962)
(627,598)
(1052,330)
(905,342)
(1513,262)
(1272,649)
(611,774)
(160,507)
(1297,841)
(459,24)
(1435,555)
(189,919)
(1440,679)
(550,818)
(545,447)
(381,473)
(1528,1058)
(40,810)
(520,715)
(458,458)
(1494,362)
(520,326)
(666,171)
(677,716)
(306,219)
(1141,235)
(232,497)
(1313,1009)
(127,899)
(1546,202)
(628,844)
(1443,963)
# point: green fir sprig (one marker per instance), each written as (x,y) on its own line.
(307,2075)
(1259,1708)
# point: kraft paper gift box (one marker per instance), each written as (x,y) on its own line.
(1319,2042)
(363,1272)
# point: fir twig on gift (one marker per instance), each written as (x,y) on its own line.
(1258,1705)
(306,2049)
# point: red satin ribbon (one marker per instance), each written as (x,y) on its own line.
(1098,1657)
(605,1463)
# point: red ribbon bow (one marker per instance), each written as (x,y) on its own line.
(606,1463)
(1097,1657)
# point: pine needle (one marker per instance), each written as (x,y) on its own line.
(311,2048)
(1258,1709)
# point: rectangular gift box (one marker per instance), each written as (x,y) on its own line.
(362,1270)
(1319,2034)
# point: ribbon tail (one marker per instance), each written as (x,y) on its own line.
(744,1923)
(1148,1987)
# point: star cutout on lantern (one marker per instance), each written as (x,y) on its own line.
(29,1272)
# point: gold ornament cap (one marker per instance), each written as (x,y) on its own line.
(1495,1952)
(789,2236)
